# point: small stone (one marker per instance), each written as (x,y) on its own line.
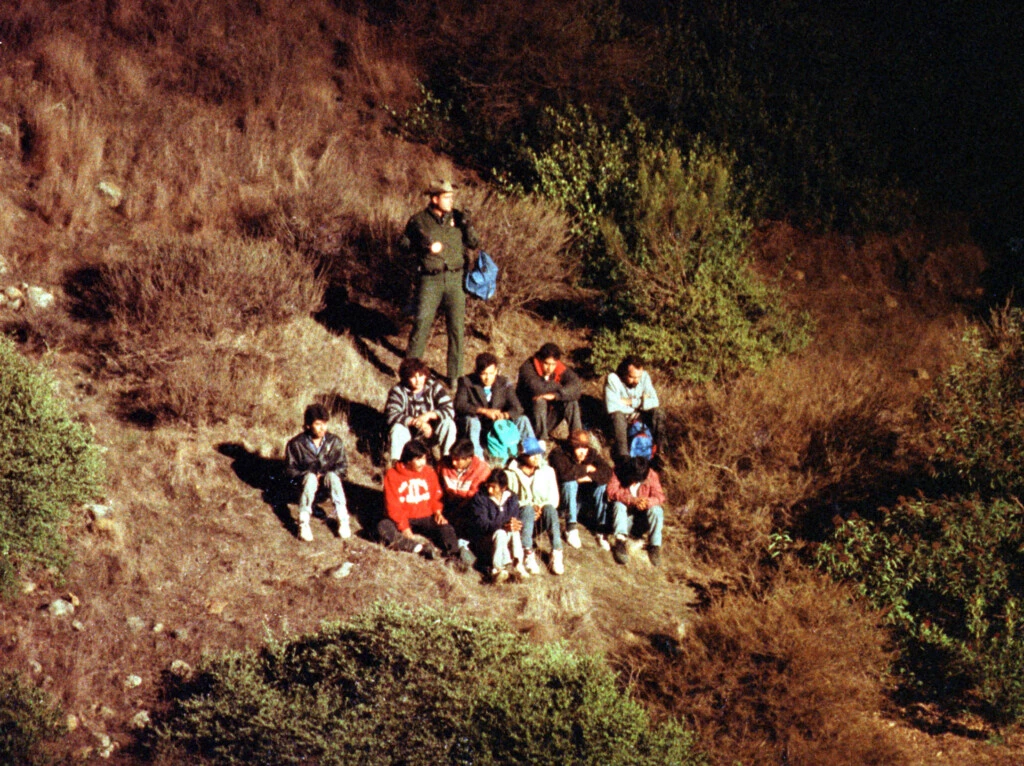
(140,720)
(102,738)
(5,130)
(77,625)
(15,304)
(107,713)
(799,276)
(132,681)
(60,608)
(74,600)
(135,624)
(38,298)
(28,587)
(158,628)
(97,511)
(3,299)
(71,722)
(13,293)
(36,667)
(181,634)
(111,191)
(181,669)
(891,303)
(216,607)
(342,571)
(921,374)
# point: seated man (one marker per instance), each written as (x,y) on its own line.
(495,513)
(313,459)
(484,398)
(582,480)
(636,491)
(551,391)
(629,396)
(412,505)
(534,483)
(461,474)
(419,407)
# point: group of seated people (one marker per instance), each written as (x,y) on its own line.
(496,487)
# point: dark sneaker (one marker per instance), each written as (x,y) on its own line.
(406,545)
(654,552)
(619,551)
(429,552)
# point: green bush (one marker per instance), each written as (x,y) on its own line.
(947,575)
(47,463)
(658,230)
(423,687)
(975,412)
(28,720)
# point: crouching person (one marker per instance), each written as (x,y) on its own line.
(535,484)
(497,523)
(461,473)
(412,505)
(636,492)
(583,478)
(419,407)
(314,459)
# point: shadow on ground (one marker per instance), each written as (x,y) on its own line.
(268,475)
(366,326)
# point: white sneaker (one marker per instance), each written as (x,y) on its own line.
(520,570)
(344,527)
(602,540)
(305,532)
(531,563)
(557,565)
(573,538)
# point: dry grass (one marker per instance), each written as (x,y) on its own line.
(795,677)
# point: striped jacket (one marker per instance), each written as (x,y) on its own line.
(402,405)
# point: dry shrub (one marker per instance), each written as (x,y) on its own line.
(189,321)
(779,450)
(794,677)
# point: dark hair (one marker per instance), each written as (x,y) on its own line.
(636,470)
(498,477)
(549,351)
(315,411)
(630,361)
(461,449)
(410,367)
(414,449)
(484,360)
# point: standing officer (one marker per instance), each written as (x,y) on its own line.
(439,237)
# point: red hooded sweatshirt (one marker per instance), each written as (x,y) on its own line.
(411,495)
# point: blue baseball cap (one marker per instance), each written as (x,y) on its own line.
(532,447)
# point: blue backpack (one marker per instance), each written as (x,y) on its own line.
(503,440)
(641,443)
(482,279)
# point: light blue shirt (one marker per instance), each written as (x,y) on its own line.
(642,396)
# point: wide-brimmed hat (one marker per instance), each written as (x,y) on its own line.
(440,186)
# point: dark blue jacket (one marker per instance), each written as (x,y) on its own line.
(488,517)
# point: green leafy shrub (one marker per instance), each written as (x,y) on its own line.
(28,721)
(948,576)
(975,412)
(47,463)
(660,233)
(424,687)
